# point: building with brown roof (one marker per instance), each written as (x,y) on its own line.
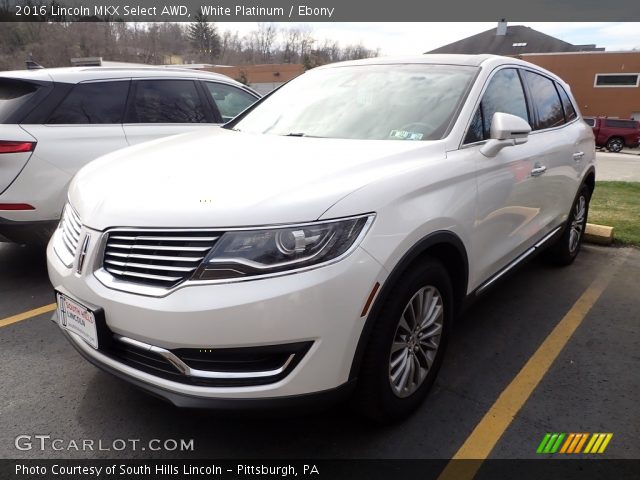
(604,83)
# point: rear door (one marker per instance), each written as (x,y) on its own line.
(161,107)
(85,125)
(562,147)
(583,148)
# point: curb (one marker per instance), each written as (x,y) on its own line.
(598,234)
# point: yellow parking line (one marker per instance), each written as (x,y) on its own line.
(26,315)
(495,422)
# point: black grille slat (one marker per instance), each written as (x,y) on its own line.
(162,258)
(154,361)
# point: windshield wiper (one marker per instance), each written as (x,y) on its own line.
(296,134)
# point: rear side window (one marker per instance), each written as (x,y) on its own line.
(546,100)
(92,103)
(14,94)
(590,121)
(503,94)
(229,100)
(621,123)
(569,109)
(167,101)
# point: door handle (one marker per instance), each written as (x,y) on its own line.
(538,170)
(578,156)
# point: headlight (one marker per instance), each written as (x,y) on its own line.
(247,253)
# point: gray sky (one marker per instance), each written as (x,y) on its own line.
(415,38)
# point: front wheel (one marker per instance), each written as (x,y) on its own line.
(566,249)
(407,344)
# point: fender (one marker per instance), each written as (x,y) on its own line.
(583,182)
(589,171)
(441,237)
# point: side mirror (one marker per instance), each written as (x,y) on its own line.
(506,131)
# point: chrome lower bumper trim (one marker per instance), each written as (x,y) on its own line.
(186,370)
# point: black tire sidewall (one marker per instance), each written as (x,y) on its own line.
(617,147)
(375,396)
(561,254)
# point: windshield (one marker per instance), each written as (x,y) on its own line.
(374,102)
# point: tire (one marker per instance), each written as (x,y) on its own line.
(566,249)
(615,144)
(380,395)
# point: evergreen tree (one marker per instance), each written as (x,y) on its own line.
(204,37)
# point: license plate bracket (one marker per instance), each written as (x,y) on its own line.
(86,322)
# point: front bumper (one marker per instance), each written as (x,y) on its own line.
(322,306)
(321,399)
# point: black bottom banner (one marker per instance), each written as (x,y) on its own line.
(321,469)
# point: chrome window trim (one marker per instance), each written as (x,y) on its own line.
(109,281)
(463,145)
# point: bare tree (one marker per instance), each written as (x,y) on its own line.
(306,40)
(290,45)
(267,33)
(53,44)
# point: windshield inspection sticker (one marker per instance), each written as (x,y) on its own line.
(405,135)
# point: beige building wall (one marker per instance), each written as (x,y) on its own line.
(261,74)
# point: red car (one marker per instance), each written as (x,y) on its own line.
(615,134)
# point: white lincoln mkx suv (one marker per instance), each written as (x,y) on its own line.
(322,243)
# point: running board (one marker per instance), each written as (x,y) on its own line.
(517,261)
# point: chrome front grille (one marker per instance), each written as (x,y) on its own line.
(71,229)
(161,258)
(68,237)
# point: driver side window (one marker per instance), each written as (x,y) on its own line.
(503,94)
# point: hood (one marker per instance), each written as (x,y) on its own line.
(221,178)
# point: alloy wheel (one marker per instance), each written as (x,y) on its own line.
(615,145)
(577,223)
(416,341)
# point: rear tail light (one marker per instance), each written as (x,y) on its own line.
(16,206)
(16,147)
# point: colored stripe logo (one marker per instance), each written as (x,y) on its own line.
(573,443)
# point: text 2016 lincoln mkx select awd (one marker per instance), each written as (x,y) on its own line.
(322,243)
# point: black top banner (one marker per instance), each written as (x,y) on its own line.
(318,10)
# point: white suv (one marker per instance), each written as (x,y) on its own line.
(324,241)
(54,121)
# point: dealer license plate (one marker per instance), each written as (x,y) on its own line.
(78,319)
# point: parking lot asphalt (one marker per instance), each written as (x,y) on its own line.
(619,166)
(591,386)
